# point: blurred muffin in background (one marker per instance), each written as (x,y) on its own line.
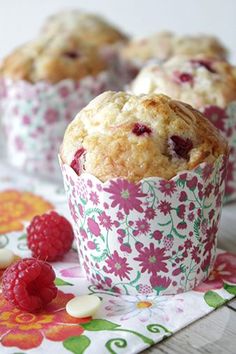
(163,45)
(52,60)
(206,83)
(46,82)
(87,27)
(198,80)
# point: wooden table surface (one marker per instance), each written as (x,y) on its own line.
(215,333)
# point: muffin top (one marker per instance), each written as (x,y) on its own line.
(52,60)
(163,45)
(199,80)
(133,137)
(92,29)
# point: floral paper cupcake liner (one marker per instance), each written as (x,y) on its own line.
(35,116)
(225,121)
(154,237)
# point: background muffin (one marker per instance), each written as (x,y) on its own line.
(52,60)
(207,84)
(163,45)
(46,82)
(197,80)
(87,27)
(147,135)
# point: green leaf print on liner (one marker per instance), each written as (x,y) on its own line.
(231,289)
(22,237)
(213,299)
(77,344)
(61,282)
(156,328)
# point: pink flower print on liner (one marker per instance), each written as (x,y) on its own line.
(150,213)
(157,235)
(142,227)
(224,272)
(211,233)
(125,195)
(216,116)
(164,207)
(26,120)
(105,220)
(94,198)
(117,265)
(51,116)
(93,227)
(160,283)
(63,91)
(182,78)
(19,143)
(167,187)
(152,260)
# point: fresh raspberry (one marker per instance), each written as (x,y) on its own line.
(49,236)
(29,284)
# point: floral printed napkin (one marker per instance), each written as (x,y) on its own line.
(124,324)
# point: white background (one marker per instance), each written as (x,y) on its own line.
(20,20)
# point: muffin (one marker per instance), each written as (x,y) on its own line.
(162,46)
(144,176)
(45,82)
(208,84)
(89,28)
(44,59)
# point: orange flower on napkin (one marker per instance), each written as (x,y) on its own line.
(26,330)
(16,207)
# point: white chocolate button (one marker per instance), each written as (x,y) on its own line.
(83,306)
(7,257)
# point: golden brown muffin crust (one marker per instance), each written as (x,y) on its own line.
(132,137)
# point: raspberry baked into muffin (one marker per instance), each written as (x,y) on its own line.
(209,85)
(133,137)
(89,28)
(144,176)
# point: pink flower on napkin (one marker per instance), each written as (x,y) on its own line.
(73,272)
(224,272)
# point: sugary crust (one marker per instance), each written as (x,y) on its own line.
(52,60)
(87,27)
(163,45)
(199,80)
(105,130)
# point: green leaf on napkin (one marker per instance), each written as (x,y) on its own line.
(77,345)
(230,288)
(22,237)
(99,325)
(213,299)
(61,282)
